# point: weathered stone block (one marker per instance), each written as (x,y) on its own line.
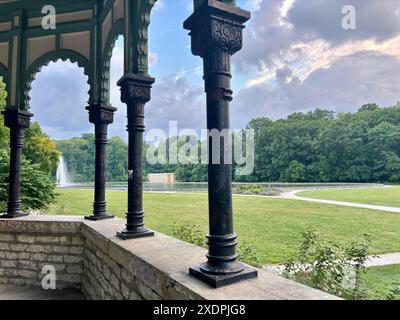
(106,272)
(28,274)
(26,264)
(146,292)
(35,248)
(38,257)
(47,239)
(4,246)
(65,240)
(11,272)
(7,237)
(23,255)
(55,258)
(76,250)
(114,281)
(17,282)
(77,269)
(70,278)
(72,259)
(25,238)
(124,291)
(77,240)
(17,247)
(11,255)
(8,263)
(58,266)
(60,249)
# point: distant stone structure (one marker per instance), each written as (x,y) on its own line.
(166,178)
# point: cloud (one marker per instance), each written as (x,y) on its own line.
(316,19)
(174,98)
(59,96)
(345,85)
(307,35)
(300,58)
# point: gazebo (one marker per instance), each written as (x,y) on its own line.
(85,32)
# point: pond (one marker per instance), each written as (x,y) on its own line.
(189,187)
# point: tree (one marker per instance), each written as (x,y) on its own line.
(295,172)
(369,107)
(40,149)
(79,155)
(4,131)
(37,189)
(117,160)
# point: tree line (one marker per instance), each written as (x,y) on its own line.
(39,165)
(317,146)
(321,146)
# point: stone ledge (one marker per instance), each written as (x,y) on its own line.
(150,268)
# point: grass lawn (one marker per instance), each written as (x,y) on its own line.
(377,280)
(273,225)
(389,196)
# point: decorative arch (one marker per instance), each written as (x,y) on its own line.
(3,73)
(116,31)
(54,56)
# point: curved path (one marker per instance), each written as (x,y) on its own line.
(292,196)
(380,260)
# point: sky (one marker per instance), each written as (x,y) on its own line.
(296,57)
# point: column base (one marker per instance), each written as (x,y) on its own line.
(222,280)
(99,217)
(140,233)
(13,215)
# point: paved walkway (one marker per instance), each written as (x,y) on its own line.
(10,292)
(373,261)
(292,196)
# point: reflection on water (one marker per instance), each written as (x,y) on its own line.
(202,187)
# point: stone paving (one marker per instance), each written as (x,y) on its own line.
(10,292)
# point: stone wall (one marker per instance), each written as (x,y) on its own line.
(25,250)
(88,256)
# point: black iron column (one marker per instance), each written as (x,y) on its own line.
(216,32)
(17,121)
(101,116)
(135,92)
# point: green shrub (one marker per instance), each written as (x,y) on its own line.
(248,254)
(37,189)
(249,189)
(189,233)
(192,234)
(329,267)
(393,291)
(253,189)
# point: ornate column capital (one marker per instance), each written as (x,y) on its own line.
(136,88)
(216,25)
(101,113)
(17,119)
